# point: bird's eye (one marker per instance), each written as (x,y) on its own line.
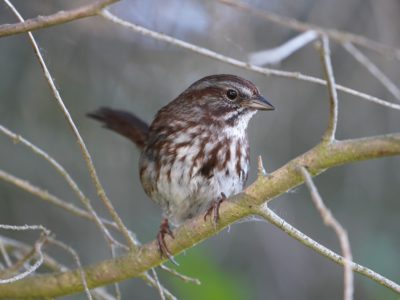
(231,94)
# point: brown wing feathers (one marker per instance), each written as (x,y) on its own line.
(123,123)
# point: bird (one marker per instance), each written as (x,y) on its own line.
(195,153)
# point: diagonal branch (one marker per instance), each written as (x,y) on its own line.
(58,18)
(331,221)
(85,152)
(273,218)
(239,63)
(46,196)
(336,35)
(373,69)
(74,186)
(323,156)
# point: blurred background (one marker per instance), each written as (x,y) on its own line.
(97,63)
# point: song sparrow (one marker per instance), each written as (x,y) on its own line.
(195,153)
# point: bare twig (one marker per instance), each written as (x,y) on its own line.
(159,288)
(153,283)
(241,64)
(338,36)
(58,18)
(184,278)
(18,249)
(61,170)
(5,255)
(116,285)
(331,221)
(273,218)
(46,196)
(325,54)
(75,256)
(373,69)
(260,167)
(280,53)
(85,153)
(38,249)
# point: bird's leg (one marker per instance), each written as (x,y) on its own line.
(214,208)
(164,230)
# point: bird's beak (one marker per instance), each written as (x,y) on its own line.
(260,103)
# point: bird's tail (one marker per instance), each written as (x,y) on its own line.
(123,123)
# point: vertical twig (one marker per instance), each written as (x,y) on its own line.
(75,256)
(330,221)
(159,288)
(260,167)
(85,153)
(325,54)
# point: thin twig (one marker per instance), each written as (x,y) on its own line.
(373,69)
(241,64)
(153,283)
(338,36)
(184,278)
(75,256)
(18,249)
(38,249)
(341,233)
(5,255)
(61,170)
(60,17)
(280,53)
(329,135)
(159,288)
(273,218)
(260,167)
(46,196)
(85,153)
(116,285)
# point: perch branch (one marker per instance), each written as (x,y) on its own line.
(320,158)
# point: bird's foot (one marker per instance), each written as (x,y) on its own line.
(162,246)
(214,208)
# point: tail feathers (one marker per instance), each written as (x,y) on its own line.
(123,123)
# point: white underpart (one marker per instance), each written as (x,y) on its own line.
(188,193)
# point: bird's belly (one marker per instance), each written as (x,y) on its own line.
(184,197)
(186,184)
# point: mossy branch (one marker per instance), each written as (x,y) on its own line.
(320,158)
